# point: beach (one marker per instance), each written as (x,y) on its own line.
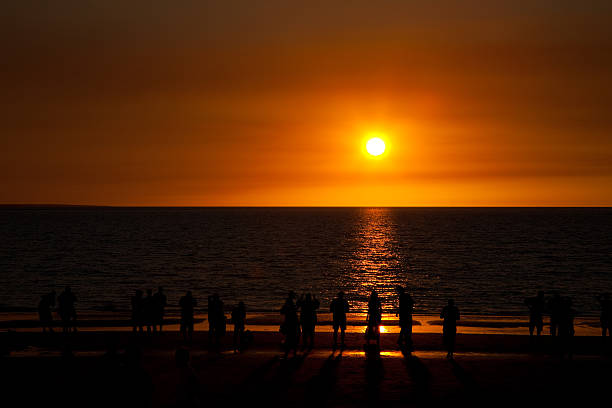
(92,368)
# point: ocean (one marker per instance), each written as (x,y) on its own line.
(487,259)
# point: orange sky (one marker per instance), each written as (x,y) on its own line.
(268,103)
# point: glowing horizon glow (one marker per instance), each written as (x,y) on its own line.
(375,146)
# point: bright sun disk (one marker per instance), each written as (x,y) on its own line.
(375,146)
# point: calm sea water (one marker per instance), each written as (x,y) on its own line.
(488,259)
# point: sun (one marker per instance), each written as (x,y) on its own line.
(375,146)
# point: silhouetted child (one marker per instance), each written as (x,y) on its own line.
(406,306)
(188,387)
(339,307)
(450,314)
(605,303)
(308,318)
(536,313)
(239,321)
(137,319)
(160,301)
(187,304)
(290,327)
(373,318)
(67,311)
(47,302)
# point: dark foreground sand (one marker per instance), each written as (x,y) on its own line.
(489,370)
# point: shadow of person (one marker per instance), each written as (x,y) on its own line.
(420,375)
(320,387)
(464,377)
(374,372)
(254,388)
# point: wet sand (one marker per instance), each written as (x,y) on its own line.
(488,369)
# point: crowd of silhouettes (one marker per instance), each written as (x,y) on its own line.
(560,311)
(148,311)
(300,318)
(66,310)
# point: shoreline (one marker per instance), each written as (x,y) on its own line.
(269,322)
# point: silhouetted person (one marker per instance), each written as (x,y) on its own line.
(450,314)
(160,301)
(555,308)
(216,319)
(339,307)
(406,306)
(566,326)
(187,304)
(308,318)
(239,321)
(290,327)
(137,310)
(374,318)
(536,307)
(67,311)
(605,303)
(45,306)
(149,310)
(188,387)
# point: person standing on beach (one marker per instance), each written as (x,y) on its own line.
(187,304)
(555,307)
(308,318)
(290,327)
(239,321)
(339,307)
(450,314)
(148,308)
(136,302)
(536,313)
(406,306)
(67,311)
(605,304)
(160,301)
(47,302)
(374,318)
(216,319)
(566,326)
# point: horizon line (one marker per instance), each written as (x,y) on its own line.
(51,205)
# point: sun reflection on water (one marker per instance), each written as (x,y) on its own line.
(376,262)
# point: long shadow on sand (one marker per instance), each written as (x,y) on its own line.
(374,373)
(270,386)
(420,375)
(321,386)
(463,376)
